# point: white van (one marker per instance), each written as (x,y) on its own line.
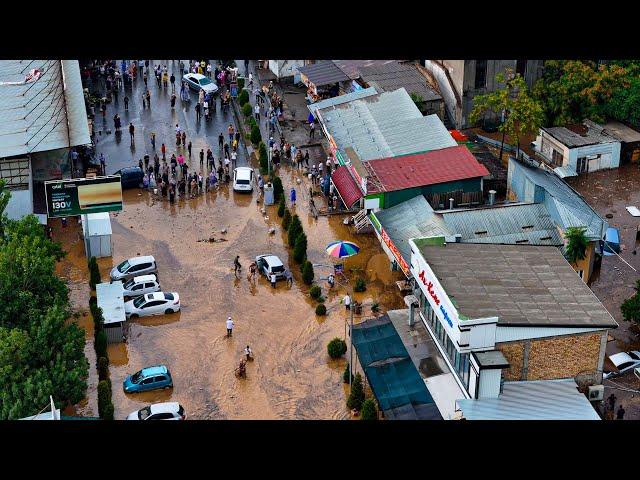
(134,267)
(140,285)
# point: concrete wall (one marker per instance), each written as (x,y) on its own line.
(609,156)
(285,68)
(554,357)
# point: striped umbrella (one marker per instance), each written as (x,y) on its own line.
(342,249)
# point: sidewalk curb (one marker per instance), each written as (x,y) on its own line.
(241,124)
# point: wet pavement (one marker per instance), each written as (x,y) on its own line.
(609,192)
(292,376)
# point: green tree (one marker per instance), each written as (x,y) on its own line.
(243,98)
(300,248)
(369,410)
(522,114)
(278,189)
(624,104)
(356,397)
(630,308)
(5,196)
(286,220)
(29,226)
(573,90)
(307,273)
(295,228)
(281,207)
(336,348)
(246,110)
(256,136)
(577,243)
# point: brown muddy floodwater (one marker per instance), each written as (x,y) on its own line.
(292,376)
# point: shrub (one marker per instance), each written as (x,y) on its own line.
(255,135)
(295,228)
(281,208)
(315,292)
(321,310)
(336,347)
(278,189)
(321,299)
(94,273)
(241,85)
(356,397)
(360,285)
(375,307)
(243,98)
(307,273)
(101,344)
(300,248)
(369,410)
(246,110)
(286,220)
(252,123)
(345,375)
(103,368)
(262,156)
(104,398)
(98,319)
(108,412)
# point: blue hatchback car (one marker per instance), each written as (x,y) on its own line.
(150,378)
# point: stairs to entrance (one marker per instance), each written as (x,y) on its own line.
(362,223)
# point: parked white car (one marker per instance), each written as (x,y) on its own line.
(159,411)
(198,82)
(243,179)
(268,264)
(624,362)
(157,303)
(134,267)
(140,285)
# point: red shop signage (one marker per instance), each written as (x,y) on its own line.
(394,250)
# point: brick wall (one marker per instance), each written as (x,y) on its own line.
(564,356)
(514,353)
(555,357)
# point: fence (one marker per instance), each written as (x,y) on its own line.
(460,199)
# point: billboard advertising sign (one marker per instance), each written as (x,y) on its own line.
(80,196)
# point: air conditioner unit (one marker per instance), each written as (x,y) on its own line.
(596,393)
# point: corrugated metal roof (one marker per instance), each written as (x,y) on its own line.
(564,204)
(384,125)
(411,219)
(528,223)
(324,72)
(340,99)
(353,68)
(590,134)
(346,185)
(621,132)
(567,171)
(391,76)
(426,168)
(520,284)
(536,400)
(111,301)
(34,115)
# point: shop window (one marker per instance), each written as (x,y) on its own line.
(481,74)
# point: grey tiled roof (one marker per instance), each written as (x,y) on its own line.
(520,284)
(324,72)
(391,76)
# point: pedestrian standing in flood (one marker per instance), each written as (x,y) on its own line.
(201,154)
(236,265)
(292,197)
(172,79)
(289,277)
(173,100)
(126,102)
(229,327)
(620,413)
(272,277)
(163,149)
(189,148)
(132,131)
(198,112)
(220,140)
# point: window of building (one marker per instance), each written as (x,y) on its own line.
(521,67)
(481,74)
(583,165)
(556,157)
(15,172)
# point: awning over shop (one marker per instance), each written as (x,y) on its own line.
(397,385)
(348,190)
(323,73)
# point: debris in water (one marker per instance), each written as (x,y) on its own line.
(223,231)
(272,230)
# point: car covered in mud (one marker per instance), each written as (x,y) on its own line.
(156,303)
(159,411)
(140,285)
(149,378)
(268,264)
(133,267)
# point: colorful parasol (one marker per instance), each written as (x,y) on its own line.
(342,249)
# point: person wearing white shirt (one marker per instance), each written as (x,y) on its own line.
(347,302)
(248,352)
(208,69)
(256,111)
(229,327)
(273,280)
(234,155)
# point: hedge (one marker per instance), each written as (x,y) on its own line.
(356,397)
(243,98)
(315,292)
(295,228)
(286,220)
(278,189)
(369,410)
(103,368)
(101,344)
(252,123)
(241,85)
(300,248)
(255,135)
(346,373)
(307,273)
(105,405)
(281,208)
(94,273)
(336,347)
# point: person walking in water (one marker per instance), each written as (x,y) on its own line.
(229,327)
(236,265)
(126,102)
(248,353)
(293,196)
(132,131)
(221,140)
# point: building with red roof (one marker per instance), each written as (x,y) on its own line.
(393,180)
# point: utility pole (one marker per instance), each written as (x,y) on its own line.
(351,342)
